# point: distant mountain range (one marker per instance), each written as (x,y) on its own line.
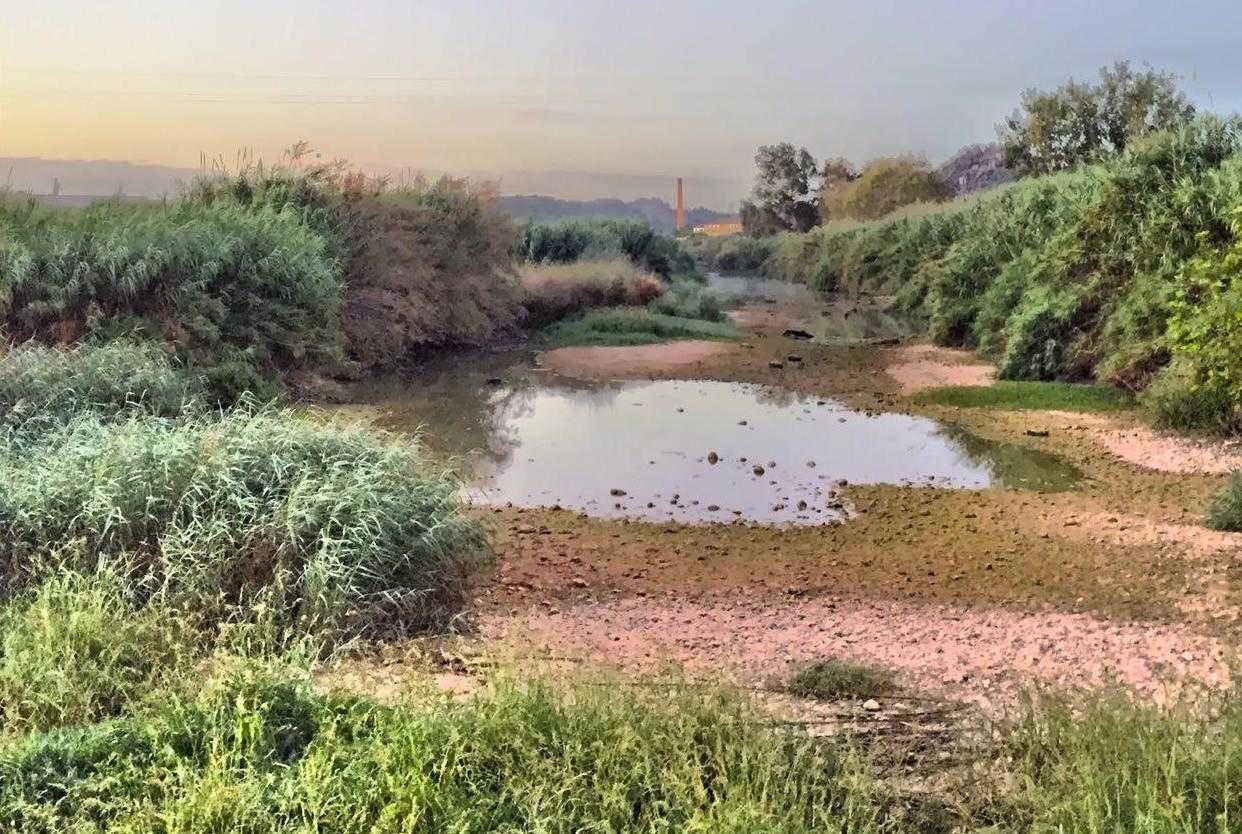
(655,211)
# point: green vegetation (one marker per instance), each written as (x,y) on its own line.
(1107,272)
(554,291)
(689,300)
(1225,512)
(48,383)
(835,680)
(1040,396)
(567,241)
(332,529)
(882,187)
(628,326)
(1077,123)
(256,749)
(1109,765)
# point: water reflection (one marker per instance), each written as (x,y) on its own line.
(685,450)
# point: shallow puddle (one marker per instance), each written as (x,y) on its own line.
(682,450)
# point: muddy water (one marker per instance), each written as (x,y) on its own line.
(646,449)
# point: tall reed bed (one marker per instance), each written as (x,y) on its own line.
(339,530)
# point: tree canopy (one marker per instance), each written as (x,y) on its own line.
(1081,122)
(779,200)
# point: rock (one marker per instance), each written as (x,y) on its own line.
(713,458)
(495,380)
(871,705)
(758,470)
(616,492)
(1036,432)
(793,358)
(801,505)
(775,364)
(800,335)
(713,508)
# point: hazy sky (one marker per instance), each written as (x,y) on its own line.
(634,87)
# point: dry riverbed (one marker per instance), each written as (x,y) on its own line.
(972,594)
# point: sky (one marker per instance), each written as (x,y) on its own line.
(579,98)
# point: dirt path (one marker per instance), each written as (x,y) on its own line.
(974,594)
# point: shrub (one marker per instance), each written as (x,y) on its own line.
(80,649)
(1176,400)
(885,185)
(689,300)
(622,326)
(210,280)
(602,238)
(554,291)
(339,529)
(1225,512)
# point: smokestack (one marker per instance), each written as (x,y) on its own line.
(681,206)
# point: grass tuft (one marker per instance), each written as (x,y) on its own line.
(1225,511)
(836,680)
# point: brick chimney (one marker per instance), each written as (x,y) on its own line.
(681,206)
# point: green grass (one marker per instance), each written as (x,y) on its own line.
(835,680)
(632,327)
(338,527)
(1225,511)
(258,750)
(1041,396)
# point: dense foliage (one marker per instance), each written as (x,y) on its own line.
(883,186)
(1078,123)
(566,241)
(1108,272)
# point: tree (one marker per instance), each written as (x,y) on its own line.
(1077,122)
(886,185)
(782,184)
(834,180)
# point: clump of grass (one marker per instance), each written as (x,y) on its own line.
(1110,765)
(689,300)
(53,383)
(1038,396)
(633,327)
(260,751)
(1176,400)
(80,649)
(1225,511)
(554,291)
(342,528)
(835,680)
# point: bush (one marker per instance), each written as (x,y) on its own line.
(56,383)
(260,751)
(566,241)
(1176,400)
(623,326)
(884,186)
(1225,512)
(338,529)
(554,291)
(689,300)
(210,280)
(81,649)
